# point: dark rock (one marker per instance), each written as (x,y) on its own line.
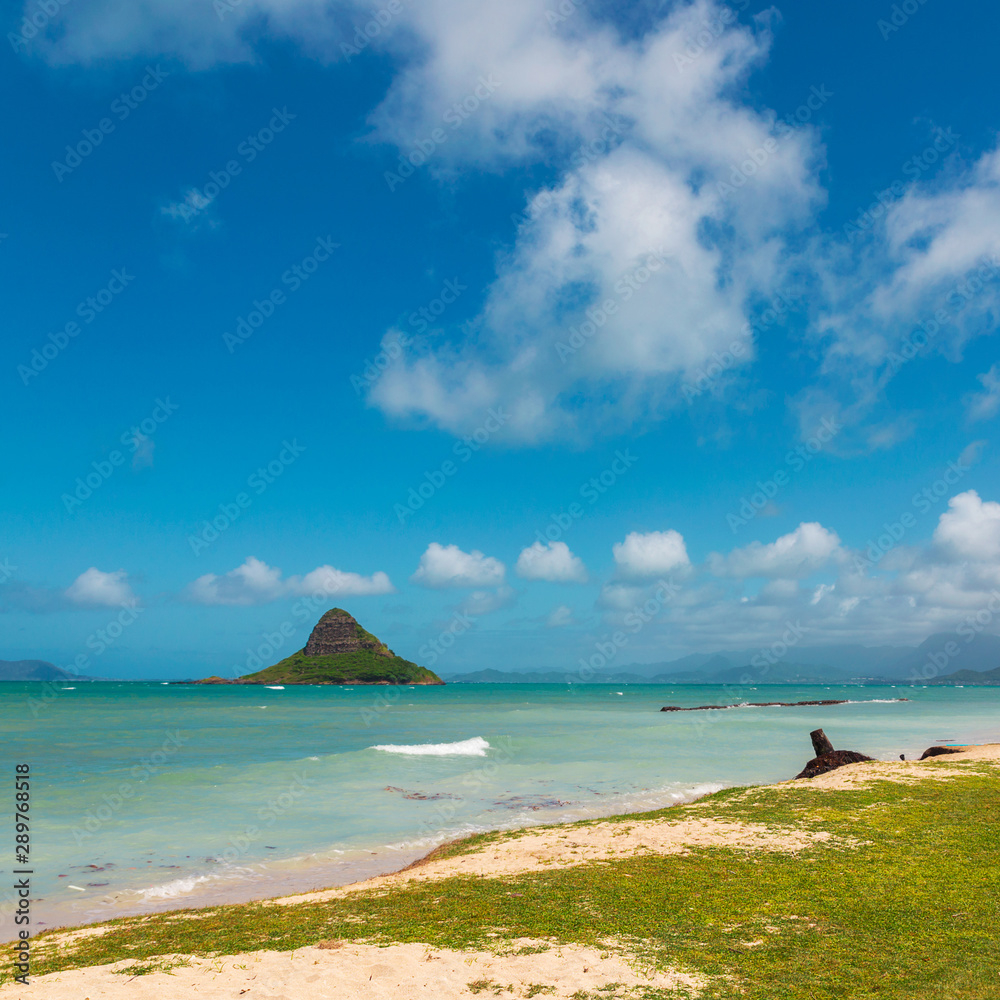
(830,762)
(939,751)
(820,743)
(756,704)
(338,632)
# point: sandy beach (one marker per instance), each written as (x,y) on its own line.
(521,967)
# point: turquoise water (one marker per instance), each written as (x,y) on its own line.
(148,796)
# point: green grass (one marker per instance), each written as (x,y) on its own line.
(362,667)
(902,903)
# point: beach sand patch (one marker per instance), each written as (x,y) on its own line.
(380,973)
(546,849)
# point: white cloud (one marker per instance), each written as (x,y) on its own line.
(650,554)
(553,562)
(195,32)
(970,528)
(254,582)
(94,588)
(926,281)
(560,617)
(335,581)
(193,210)
(647,153)
(639,218)
(808,548)
(984,405)
(448,566)
(485,602)
(621,596)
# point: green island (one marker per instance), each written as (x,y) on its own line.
(888,886)
(339,651)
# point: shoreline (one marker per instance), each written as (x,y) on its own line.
(309,874)
(664,836)
(850,775)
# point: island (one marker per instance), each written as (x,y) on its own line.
(33,670)
(339,651)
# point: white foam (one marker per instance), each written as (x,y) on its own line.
(171,890)
(476,747)
(876,701)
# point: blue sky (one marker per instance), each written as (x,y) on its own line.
(385,291)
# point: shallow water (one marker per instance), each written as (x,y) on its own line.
(150,796)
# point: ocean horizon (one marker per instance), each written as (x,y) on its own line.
(150,796)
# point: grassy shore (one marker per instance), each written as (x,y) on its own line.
(892,890)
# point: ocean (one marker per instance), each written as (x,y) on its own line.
(148,796)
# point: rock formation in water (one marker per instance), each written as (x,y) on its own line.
(339,651)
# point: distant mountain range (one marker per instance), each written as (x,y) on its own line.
(943,658)
(32,670)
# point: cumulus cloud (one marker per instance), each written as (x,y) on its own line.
(984,405)
(254,582)
(448,566)
(970,528)
(332,581)
(553,562)
(651,554)
(805,550)
(97,589)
